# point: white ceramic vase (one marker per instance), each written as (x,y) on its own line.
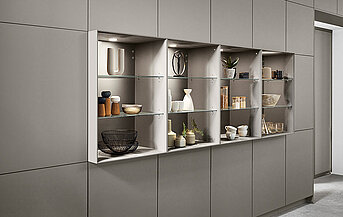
(115,61)
(171,135)
(188,101)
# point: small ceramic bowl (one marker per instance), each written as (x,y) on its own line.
(131,109)
(270,99)
(106,94)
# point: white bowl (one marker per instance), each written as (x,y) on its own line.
(270,99)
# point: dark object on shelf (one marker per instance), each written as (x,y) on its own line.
(106,94)
(101,100)
(179,63)
(119,141)
(277,74)
(244,75)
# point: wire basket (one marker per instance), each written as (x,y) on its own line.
(118,141)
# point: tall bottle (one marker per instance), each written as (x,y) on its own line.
(171,135)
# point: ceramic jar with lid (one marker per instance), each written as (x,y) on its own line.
(180,142)
(190,137)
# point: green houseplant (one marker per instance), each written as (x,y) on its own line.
(229,66)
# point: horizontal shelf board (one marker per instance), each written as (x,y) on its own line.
(234,109)
(190,147)
(284,79)
(123,115)
(224,140)
(277,134)
(240,79)
(130,76)
(195,111)
(140,152)
(192,77)
(277,106)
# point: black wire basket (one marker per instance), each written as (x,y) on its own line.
(117,142)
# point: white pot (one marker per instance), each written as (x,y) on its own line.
(230,73)
(187,100)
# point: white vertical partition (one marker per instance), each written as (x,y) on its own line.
(337,102)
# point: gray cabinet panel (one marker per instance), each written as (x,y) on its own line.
(231,191)
(299,166)
(64,14)
(268,175)
(231,22)
(184,184)
(269,23)
(326,5)
(300,29)
(185,19)
(340,7)
(43,87)
(125,189)
(304,113)
(53,192)
(130,16)
(322,99)
(304,2)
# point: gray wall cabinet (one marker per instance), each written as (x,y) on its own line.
(227,20)
(269,23)
(304,2)
(231,192)
(185,19)
(71,14)
(268,175)
(124,189)
(129,16)
(322,99)
(304,112)
(53,192)
(299,166)
(184,184)
(43,87)
(300,29)
(340,7)
(326,5)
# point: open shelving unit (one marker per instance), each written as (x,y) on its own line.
(148,75)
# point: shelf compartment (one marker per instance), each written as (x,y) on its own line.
(140,152)
(191,77)
(240,109)
(123,115)
(277,106)
(195,111)
(130,76)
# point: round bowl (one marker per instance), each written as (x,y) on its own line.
(270,99)
(131,109)
(106,94)
(118,141)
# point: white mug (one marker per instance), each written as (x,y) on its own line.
(175,106)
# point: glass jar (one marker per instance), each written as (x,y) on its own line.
(224,97)
(243,101)
(236,102)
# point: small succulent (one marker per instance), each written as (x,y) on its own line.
(228,63)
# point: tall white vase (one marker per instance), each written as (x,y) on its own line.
(115,61)
(170,98)
(188,101)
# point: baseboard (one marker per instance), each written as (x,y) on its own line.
(322,174)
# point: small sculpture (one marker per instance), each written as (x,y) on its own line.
(179,63)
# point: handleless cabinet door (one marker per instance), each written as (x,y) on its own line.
(299,166)
(340,7)
(185,20)
(71,14)
(184,184)
(304,2)
(268,175)
(231,191)
(231,22)
(326,5)
(269,23)
(43,94)
(123,189)
(135,17)
(54,192)
(300,29)
(304,114)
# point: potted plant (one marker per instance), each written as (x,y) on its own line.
(189,134)
(229,66)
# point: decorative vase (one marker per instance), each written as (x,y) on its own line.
(170,98)
(115,61)
(187,100)
(171,135)
(230,73)
(180,142)
(190,138)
